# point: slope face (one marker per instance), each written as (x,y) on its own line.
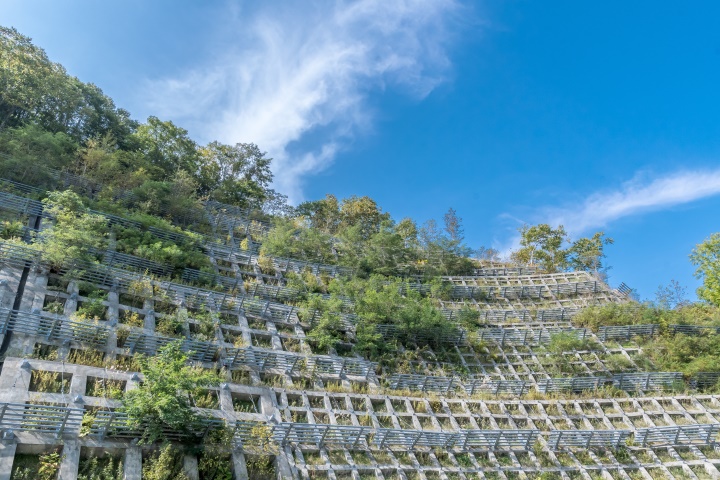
(528,383)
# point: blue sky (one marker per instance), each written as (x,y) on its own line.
(599,115)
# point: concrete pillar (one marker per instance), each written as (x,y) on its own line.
(226,403)
(7,456)
(70,460)
(282,465)
(113,318)
(148,305)
(78,386)
(15,380)
(72,301)
(239,467)
(242,321)
(133,463)
(6,296)
(39,289)
(190,467)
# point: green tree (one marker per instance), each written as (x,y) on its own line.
(408,231)
(164,400)
(166,147)
(327,332)
(165,464)
(30,150)
(445,252)
(487,254)
(288,239)
(236,174)
(28,80)
(542,245)
(671,296)
(74,233)
(35,90)
(587,253)
(706,257)
(323,214)
(362,213)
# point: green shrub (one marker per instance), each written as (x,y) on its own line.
(100,468)
(165,464)
(567,342)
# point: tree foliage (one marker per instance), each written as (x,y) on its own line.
(706,257)
(51,119)
(35,90)
(74,233)
(164,399)
(551,249)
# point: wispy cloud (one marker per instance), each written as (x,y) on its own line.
(295,80)
(641,194)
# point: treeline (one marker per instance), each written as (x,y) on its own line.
(356,233)
(52,120)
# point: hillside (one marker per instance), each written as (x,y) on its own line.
(165,314)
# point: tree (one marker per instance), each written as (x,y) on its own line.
(453,226)
(236,174)
(408,231)
(31,151)
(98,117)
(706,257)
(35,90)
(164,400)
(671,296)
(74,233)
(487,254)
(587,253)
(363,213)
(445,251)
(276,204)
(541,244)
(323,214)
(167,148)
(27,78)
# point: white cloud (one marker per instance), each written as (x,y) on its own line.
(300,75)
(639,195)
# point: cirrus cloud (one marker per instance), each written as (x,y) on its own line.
(296,80)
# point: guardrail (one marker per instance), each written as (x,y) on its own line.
(587,438)
(53,327)
(37,418)
(646,381)
(626,332)
(424,383)
(497,387)
(320,435)
(572,384)
(679,435)
(693,329)
(507,336)
(432,336)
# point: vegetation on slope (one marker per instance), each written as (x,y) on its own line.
(155,174)
(669,350)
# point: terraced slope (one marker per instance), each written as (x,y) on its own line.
(521,391)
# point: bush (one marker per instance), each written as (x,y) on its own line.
(96,468)
(93,308)
(166,464)
(75,232)
(568,341)
(36,467)
(163,399)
